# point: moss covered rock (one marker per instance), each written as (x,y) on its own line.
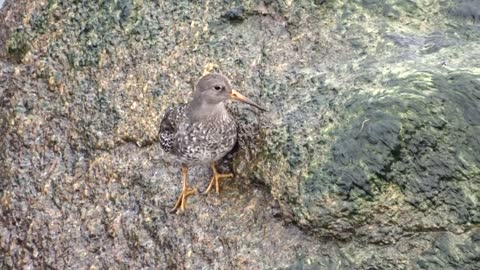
(368,158)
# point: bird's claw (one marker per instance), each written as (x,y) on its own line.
(182,199)
(215,181)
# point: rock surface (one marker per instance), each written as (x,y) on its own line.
(369,156)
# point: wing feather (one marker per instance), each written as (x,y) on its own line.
(169,127)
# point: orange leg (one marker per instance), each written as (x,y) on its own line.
(216,178)
(182,199)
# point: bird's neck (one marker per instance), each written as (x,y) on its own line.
(203,111)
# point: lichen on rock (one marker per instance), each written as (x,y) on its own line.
(368,157)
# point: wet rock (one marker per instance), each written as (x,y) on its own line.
(450,249)
(467,10)
(235,15)
(368,157)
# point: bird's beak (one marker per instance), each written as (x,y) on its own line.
(237,96)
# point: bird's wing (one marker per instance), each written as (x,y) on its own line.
(169,126)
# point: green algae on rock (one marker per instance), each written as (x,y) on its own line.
(370,146)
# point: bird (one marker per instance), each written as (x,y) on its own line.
(202,131)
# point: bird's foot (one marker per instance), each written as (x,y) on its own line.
(215,181)
(182,199)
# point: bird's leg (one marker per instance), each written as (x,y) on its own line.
(216,178)
(182,199)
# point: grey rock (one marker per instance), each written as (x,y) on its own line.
(369,156)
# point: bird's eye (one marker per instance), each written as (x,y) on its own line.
(217,87)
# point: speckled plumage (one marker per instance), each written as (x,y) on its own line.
(201,131)
(197,141)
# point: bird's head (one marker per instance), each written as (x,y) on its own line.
(215,88)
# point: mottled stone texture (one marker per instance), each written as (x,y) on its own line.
(369,156)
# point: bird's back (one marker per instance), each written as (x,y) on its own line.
(171,121)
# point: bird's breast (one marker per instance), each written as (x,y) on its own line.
(206,141)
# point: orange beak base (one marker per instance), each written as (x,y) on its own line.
(237,96)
